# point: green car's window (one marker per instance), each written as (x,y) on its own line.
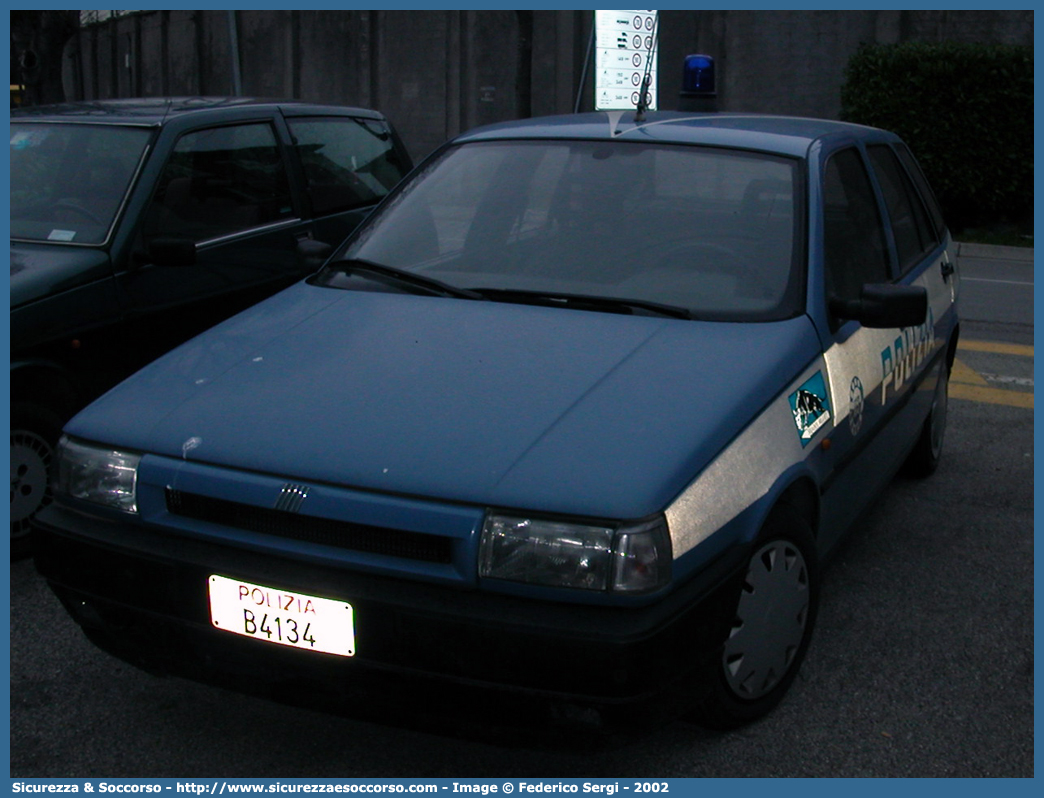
(220,181)
(348,162)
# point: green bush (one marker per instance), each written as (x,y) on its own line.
(966,110)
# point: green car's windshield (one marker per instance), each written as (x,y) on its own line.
(712,231)
(68,181)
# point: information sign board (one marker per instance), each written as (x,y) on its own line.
(626,44)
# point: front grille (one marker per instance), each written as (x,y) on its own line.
(342,534)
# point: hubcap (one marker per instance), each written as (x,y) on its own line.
(30,463)
(770,620)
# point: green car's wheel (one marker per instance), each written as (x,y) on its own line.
(34,434)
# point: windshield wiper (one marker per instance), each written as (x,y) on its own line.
(584,302)
(427,284)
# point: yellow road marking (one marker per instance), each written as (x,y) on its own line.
(992,396)
(966,383)
(995,347)
(966,376)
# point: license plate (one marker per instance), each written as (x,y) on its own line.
(281,616)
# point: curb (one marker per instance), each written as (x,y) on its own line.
(994,252)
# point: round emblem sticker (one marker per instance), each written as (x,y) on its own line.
(855,406)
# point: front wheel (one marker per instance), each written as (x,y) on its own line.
(34,434)
(772,626)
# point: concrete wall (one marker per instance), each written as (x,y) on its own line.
(437,73)
(792,62)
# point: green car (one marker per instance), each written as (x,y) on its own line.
(136,224)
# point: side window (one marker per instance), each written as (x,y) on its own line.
(911,227)
(348,162)
(914,170)
(853,235)
(220,181)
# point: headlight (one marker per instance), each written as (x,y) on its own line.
(96,474)
(628,559)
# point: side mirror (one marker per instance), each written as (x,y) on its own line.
(172,251)
(312,254)
(883,306)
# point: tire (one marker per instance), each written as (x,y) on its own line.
(34,435)
(772,627)
(925,456)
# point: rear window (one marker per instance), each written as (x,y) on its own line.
(927,195)
(348,163)
(911,227)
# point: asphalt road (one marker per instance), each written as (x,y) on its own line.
(921,665)
(998,295)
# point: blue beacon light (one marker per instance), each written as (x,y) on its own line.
(698,84)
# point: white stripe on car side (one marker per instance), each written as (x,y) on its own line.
(742,473)
(862,354)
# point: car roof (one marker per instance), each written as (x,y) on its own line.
(159,110)
(784,135)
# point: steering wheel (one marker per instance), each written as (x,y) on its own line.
(75,207)
(705,256)
(715,258)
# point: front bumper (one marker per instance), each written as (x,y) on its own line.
(141,594)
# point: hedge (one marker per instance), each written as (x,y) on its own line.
(966,110)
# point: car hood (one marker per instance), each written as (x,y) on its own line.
(486,403)
(40,270)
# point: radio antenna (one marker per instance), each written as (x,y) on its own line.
(643,94)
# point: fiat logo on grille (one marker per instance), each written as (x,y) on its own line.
(291,497)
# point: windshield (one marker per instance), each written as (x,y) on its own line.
(68,181)
(709,230)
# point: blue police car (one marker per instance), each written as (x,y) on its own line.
(579,411)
